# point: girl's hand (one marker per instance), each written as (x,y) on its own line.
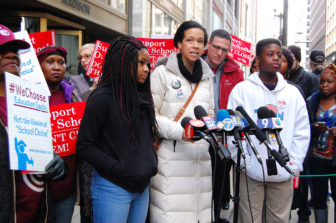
(321,127)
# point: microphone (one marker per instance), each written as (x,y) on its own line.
(192,127)
(224,123)
(263,119)
(282,149)
(236,133)
(249,140)
(262,138)
(210,126)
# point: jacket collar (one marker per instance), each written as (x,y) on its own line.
(172,65)
(228,65)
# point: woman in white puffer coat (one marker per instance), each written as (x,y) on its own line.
(181,191)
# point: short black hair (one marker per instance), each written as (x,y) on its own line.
(252,64)
(296,51)
(221,33)
(266,42)
(289,57)
(179,35)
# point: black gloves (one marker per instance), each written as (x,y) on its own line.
(56,169)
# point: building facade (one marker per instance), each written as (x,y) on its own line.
(330,41)
(317,21)
(76,22)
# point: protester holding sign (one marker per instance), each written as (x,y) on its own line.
(181,192)
(117,133)
(24,197)
(84,84)
(53,64)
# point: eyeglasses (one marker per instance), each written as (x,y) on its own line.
(85,56)
(217,48)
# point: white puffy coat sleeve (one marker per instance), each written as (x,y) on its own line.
(301,137)
(168,129)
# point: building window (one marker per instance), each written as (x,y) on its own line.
(120,5)
(162,23)
(236,9)
(179,3)
(217,21)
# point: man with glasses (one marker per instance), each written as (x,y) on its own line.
(228,74)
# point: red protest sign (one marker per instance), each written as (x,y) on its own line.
(65,120)
(97,59)
(240,51)
(158,48)
(42,39)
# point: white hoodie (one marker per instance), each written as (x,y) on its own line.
(290,106)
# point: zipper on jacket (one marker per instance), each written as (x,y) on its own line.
(198,186)
(14,195)
(13,177)
(46,200)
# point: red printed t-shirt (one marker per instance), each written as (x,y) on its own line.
(3,110)
(29,187)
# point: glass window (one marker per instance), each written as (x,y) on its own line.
(119,5)
(162,24)
(146,22)
(217,21)
(179,3)
(198,11)
(70,43)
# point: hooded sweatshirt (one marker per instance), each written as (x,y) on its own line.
(286,101)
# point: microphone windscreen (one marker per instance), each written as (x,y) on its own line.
(200,112)
(263,112)
(222,114)
(231,112)
(272,113)
(185,121)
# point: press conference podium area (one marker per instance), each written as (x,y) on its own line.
(229,214)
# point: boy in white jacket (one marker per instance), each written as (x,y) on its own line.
(268,88)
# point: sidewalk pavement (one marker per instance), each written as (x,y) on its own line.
(229,214)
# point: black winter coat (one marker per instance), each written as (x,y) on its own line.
(104,141)
(309,82)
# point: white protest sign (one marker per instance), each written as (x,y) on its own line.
(29,131)
(30,68)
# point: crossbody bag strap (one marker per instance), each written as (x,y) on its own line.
(182,110)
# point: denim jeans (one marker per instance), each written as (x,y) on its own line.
(64,209)
(112,203)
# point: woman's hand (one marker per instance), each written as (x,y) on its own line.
(184,138)
(95,84)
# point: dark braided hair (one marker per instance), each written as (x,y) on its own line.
(119,72)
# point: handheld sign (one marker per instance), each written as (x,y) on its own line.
(97,59)
(29,132)
(30,68)
(41,40)
(65,120)
(240,51)
(158,48)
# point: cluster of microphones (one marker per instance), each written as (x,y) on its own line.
(239,125)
